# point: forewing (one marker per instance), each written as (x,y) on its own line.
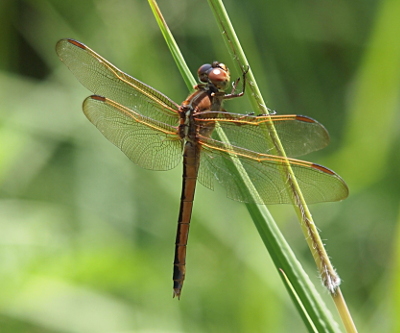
(104,79)
(299,135)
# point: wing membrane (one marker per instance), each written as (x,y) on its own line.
(317,183)
(104,79)
(299,135)
(149,143)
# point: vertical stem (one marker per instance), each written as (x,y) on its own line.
(328,274)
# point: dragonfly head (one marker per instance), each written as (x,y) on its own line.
(216,74)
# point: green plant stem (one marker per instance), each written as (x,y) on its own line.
(328,274)
(344,312)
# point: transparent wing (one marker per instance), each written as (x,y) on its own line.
(299,135)
(104,79)
(147,142)
(317,183)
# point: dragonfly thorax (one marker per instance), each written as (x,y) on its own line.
(198,101)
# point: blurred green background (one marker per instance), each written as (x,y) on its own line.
(87,237)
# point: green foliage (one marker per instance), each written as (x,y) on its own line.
(87,237)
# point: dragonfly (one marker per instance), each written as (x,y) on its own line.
(157,134)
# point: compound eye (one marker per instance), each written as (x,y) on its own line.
(219,77)
(202,72)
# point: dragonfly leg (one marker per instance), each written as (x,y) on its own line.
(235,84)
